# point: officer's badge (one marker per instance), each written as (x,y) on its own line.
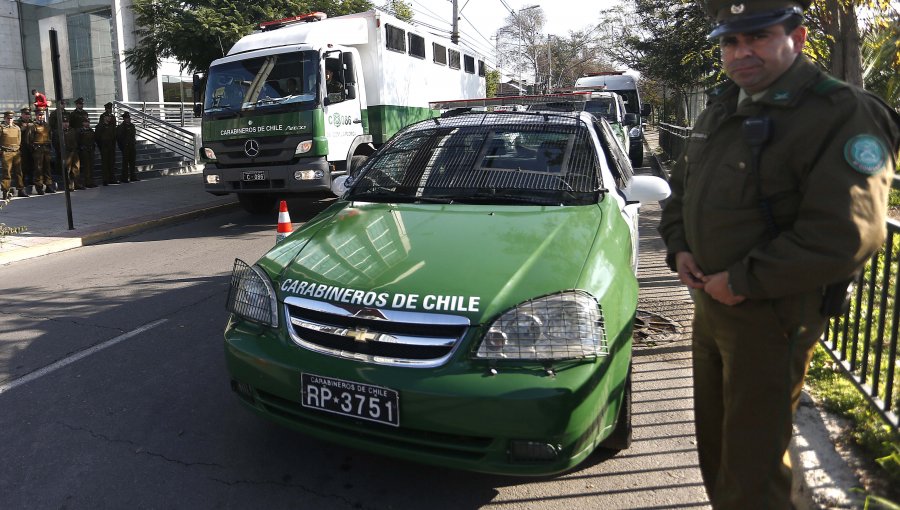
(781,95)
(866,154)
(737,8)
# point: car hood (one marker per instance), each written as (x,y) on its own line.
(471,260)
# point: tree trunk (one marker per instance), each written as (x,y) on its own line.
(846,59)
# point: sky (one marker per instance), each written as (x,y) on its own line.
(481,18)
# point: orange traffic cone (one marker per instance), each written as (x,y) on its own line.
(284,223)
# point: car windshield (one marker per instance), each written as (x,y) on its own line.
(274,82)
(602,107)
(500,158)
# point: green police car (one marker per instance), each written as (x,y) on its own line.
(467,302)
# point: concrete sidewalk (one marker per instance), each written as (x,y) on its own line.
(103,213)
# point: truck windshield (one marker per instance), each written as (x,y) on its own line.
(274,83)
(602,107)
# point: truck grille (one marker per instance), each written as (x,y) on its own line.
(374,335)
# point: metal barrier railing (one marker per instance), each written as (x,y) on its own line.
(163,133)
(179,114)
(864,341)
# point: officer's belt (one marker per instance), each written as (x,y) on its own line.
(9,149)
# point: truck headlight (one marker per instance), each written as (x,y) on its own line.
(209,153)
(568,325)
(303,147)
(635,132)
(251,295)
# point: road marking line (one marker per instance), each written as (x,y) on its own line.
(77,356)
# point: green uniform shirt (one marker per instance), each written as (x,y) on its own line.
(826,171)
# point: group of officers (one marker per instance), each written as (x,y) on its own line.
(25,146)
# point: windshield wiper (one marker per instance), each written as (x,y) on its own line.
(492,197)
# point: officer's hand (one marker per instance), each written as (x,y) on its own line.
(688,271)
(717,287)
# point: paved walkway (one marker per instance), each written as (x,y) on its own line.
(663,405)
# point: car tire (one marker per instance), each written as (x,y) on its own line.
(620,439)
(257,203)
(637,157)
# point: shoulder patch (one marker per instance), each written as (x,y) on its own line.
(828,85)
(866,154)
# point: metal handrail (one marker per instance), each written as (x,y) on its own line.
(181,141)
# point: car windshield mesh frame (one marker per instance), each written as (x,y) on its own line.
(538,156)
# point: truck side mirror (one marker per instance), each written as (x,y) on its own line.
(351,91)
(630,119)
(646,109)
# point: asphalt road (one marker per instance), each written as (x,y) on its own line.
(114,394)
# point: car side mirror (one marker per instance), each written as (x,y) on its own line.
(646,109)
(351,91)
(630,119)
(339,185)
(647,188)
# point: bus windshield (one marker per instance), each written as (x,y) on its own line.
(273,83)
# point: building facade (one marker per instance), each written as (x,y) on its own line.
(92,36)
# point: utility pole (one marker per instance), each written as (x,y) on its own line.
(454,34)
(549,66)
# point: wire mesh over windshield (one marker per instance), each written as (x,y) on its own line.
(544,158)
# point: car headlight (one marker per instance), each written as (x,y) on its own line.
(635,132)
(209,153)
(303,147)
(251,295)
(562,326)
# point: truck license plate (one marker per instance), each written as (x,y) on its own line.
(257,175)
(348,398)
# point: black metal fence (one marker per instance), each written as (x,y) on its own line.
(864,341)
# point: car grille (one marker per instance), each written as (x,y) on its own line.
(374,335)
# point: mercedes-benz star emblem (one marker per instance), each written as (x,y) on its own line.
(737,8)
(251,148)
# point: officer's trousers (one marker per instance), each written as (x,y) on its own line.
(749,362)
(12,170)
(108,161)
(86,164)
(40,159)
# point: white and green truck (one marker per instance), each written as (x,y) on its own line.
(306,99)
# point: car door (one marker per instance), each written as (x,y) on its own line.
(343,112)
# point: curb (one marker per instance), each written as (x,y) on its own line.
(97,236)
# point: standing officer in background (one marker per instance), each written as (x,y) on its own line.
(86,140)
(10,144)
(108,113)
(779,198)
(78,115)
(125,138)
(24,122)
(38,138)
(106,141)
(71,165)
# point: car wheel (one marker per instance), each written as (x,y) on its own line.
(257,203)
(620,438)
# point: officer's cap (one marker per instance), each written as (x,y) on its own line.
(80,100)
(108,106)
(742,16)
(126,115)
(65,118)
(26,110)
(9,113)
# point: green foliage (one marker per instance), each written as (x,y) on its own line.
(8,231)
(194,34)
(400,9)
(492,82)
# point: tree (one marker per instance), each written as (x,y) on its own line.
(520,40)
(194,34)
(400,9)
(491,82)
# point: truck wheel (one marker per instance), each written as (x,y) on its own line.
(356,162)
(257,204)
(620,438)
(637,159)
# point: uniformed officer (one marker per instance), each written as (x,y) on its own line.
(125,138)
(24,122)
(10,144)
(780,194)
(38,138)
(108,113)
(78,115)
(86,140)
(106,141)
(70,135)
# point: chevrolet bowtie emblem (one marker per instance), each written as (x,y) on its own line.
(361,335)
(737,8)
